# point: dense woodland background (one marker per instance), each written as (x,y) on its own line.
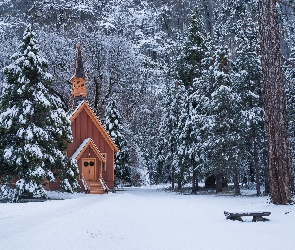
(185,76)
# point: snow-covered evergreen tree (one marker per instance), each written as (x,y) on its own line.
(34,129)
(223,111)
(226,91)
(114,127)
(189,69)
(167,145)
(249,85)
(181,161)
(190,62)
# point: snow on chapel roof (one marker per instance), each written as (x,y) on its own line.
(75,110)
(85,145)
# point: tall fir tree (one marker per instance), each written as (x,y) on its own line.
(34,128)
(221,104)
(166,150)
(190,68)
(224,93)
(190,62)
(249,84)
(114,127)
(162,171)
(181,160)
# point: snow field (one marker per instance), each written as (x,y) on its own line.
(144,218)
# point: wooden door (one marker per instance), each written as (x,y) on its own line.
(88,169)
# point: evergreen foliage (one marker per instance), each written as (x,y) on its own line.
(190,66)
(114,127)
(230,99)
(223,111)
(166,150)
(190,62)
(248,67)
(34,128)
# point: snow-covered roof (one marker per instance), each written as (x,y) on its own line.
(85,145)
(75,110)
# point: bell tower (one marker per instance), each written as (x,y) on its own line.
(79,78)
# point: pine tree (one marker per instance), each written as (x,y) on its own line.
(114,127)
(221,104)
(162,171)
(189,68)
(34,127)
(198,126)
(181,159)
(190,62)
(248,68)
(229,94)
(167,146)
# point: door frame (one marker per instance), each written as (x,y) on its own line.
(83,167)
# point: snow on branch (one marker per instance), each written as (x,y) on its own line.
(288,62)
(286,4)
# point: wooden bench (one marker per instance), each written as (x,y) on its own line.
(257,216)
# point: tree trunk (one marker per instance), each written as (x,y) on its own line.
(179,185)
(219,183)
(252,172)
(172,180)
(98,86)
(279,153)
(256,165)
(236,178)
(194,183)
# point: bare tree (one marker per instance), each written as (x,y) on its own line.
(279,154)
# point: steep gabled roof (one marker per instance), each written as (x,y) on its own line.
(84,105)
(84,145)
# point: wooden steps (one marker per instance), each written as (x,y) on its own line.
(95,187)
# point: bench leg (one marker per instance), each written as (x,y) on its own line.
(259,218)
(239,218)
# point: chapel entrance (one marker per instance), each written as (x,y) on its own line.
(88,169)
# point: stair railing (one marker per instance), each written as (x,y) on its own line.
(103,184)
(85,185)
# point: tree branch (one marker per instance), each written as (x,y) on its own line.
(284,59)
(286,13)
(286,4)
(288,81)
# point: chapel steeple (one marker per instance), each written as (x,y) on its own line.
(79,78)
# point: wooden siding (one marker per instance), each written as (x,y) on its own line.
(85,107)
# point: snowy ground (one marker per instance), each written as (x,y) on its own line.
(144,218)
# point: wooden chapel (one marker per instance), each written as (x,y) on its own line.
(92,147)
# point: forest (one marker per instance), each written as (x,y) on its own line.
(183,77)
